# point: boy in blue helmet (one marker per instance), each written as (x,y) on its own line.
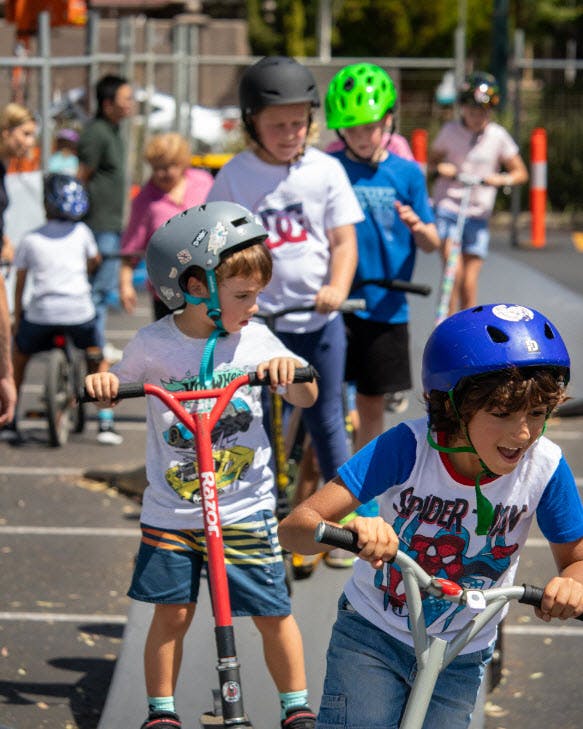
(458,493)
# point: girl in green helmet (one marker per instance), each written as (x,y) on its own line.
(398,220)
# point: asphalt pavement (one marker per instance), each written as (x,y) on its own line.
(69,532)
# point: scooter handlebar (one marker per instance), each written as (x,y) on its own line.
(346,539)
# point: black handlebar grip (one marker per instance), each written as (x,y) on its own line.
(395,284)
(533,596)
(410,287)
(125,391)
(337,537)
(302,374)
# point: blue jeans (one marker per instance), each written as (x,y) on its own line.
(325,349)
(105,281)
(369,676)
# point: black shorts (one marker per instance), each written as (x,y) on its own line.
(32,338)
(377,359)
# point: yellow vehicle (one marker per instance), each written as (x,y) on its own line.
(230,465)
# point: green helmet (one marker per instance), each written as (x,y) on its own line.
(359,94)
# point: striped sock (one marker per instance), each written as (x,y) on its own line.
(292,700)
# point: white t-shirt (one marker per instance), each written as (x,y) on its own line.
(434,513)
(297,205)
(55,257)
(478,155)
(160,354)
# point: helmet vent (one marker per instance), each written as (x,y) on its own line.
(549,333)
(238,222)
(477,310)
(497,335)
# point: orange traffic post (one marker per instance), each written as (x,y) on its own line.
(538,186)
(419,147)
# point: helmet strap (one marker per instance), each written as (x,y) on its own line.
(485,510)
(213,309)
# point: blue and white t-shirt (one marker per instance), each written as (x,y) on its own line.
(386,247)
(433,511)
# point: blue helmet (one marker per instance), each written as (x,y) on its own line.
(65,197)
(490,338)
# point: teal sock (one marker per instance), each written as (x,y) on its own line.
(105,414)
(292,700)
(161,703)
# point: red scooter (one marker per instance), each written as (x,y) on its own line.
(227,708)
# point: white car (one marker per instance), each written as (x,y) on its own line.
(210,127)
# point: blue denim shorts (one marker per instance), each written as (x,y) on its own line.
(475,235)
(170,563)
(369,675)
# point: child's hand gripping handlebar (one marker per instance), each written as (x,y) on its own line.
(444,589)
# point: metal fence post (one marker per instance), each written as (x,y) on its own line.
(91,50)
(516,72)
(44,42)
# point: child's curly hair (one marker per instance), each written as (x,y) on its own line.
(509,390)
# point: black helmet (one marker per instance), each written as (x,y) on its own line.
(480,89)
(274,81)
(65,197)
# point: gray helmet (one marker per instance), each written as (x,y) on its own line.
(199,236)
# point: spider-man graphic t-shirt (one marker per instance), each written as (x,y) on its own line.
(433,511)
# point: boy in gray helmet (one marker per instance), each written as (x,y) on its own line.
(211,260)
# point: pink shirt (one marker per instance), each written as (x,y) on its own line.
(397,145)
(152,207)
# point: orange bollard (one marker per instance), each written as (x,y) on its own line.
(419,148)
(538,186)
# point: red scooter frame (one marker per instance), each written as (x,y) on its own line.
(231,708)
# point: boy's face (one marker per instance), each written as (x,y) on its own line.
(501,438)
(282,131)
(367,140)
(238,298)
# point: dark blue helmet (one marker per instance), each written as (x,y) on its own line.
(65,197)
(490,338)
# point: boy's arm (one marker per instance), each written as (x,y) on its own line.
(563,595)
(377,539)
(7,388)
(343,260)
(424,234)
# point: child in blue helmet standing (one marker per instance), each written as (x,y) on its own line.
(458,493)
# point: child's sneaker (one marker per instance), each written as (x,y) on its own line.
(340,558)
(162,720)
(107,434)
(304,564)
(396,402)
(302,718)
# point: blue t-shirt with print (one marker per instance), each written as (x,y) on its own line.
(386,248)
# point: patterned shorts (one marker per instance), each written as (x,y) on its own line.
(170,563)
